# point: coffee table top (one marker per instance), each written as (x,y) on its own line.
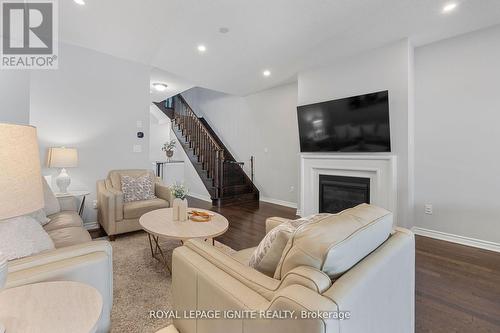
(56,307)
(160,223)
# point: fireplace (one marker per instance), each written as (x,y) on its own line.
(337,193)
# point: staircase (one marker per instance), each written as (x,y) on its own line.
(223,176)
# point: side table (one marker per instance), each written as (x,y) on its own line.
(55,307)
(75,194)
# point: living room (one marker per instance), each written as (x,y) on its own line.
(182,166)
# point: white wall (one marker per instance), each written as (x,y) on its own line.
(159,129)
(263,125)
(386,68)
(92,102)
(14,96)
(457,135)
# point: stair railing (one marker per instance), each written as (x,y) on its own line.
(209,153)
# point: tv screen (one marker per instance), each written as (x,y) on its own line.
(353,124)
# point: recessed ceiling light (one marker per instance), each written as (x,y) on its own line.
(449,7)
(159,86)
(80,2)
(266,72)
(202,48)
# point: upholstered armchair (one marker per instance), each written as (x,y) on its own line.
(118,217)
(358,266)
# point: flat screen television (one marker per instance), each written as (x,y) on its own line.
(353,124)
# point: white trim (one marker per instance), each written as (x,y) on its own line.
(468,241)
(299,212)
(200,197)
(279,202)
(91,225)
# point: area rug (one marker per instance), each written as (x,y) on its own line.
(141,284)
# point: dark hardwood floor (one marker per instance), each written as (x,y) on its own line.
(457,287)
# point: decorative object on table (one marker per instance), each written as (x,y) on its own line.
(179,205)
(21,178)
(168,148)
(200,216)
(62,158)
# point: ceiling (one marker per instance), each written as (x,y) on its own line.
(284,36)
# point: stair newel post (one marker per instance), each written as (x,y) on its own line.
(221,173)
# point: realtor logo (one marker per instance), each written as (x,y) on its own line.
(29,34)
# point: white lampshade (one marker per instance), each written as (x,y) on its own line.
(62,157)
(21,189)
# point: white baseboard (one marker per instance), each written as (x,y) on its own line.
(279,202)
(473,242)
(200,196)
(91,225)
(299,212)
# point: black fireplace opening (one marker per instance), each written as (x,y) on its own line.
(337,193)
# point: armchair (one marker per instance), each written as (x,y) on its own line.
(117,217)
(377,289)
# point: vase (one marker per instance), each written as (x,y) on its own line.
(169,153)
(180,210)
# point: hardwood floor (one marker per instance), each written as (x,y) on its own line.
(457,287)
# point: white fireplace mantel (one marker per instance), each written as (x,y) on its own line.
(381,169)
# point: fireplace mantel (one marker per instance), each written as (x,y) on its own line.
(381,169)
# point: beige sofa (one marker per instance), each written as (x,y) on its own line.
(75,258)
(374,282)
(117,217)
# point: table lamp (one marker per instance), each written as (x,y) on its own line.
(62,158)
(21,189)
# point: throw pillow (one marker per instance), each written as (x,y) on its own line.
(23,236)
(267,255)
(51,203)
(136,189)
(40,216)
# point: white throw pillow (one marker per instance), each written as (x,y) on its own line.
(40,216)
(51,203)
(136,189)
(23,236)
(267,255)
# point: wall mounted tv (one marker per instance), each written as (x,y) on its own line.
(353,124)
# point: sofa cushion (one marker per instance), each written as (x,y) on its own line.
(40,216)
(138,188)
(135,209)
(69,236)
(23,236)
(336,242)
(64,219)
(267,255)
(115,176)
(243,256)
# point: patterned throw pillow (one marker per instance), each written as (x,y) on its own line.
(136,189)
(267,255)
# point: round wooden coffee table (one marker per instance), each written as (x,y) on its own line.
(160,224)
(56,307)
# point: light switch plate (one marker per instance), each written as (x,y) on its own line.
(428,209)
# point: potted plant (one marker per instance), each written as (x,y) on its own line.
(179,192)
(168,148)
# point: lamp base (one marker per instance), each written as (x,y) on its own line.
(63,181)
